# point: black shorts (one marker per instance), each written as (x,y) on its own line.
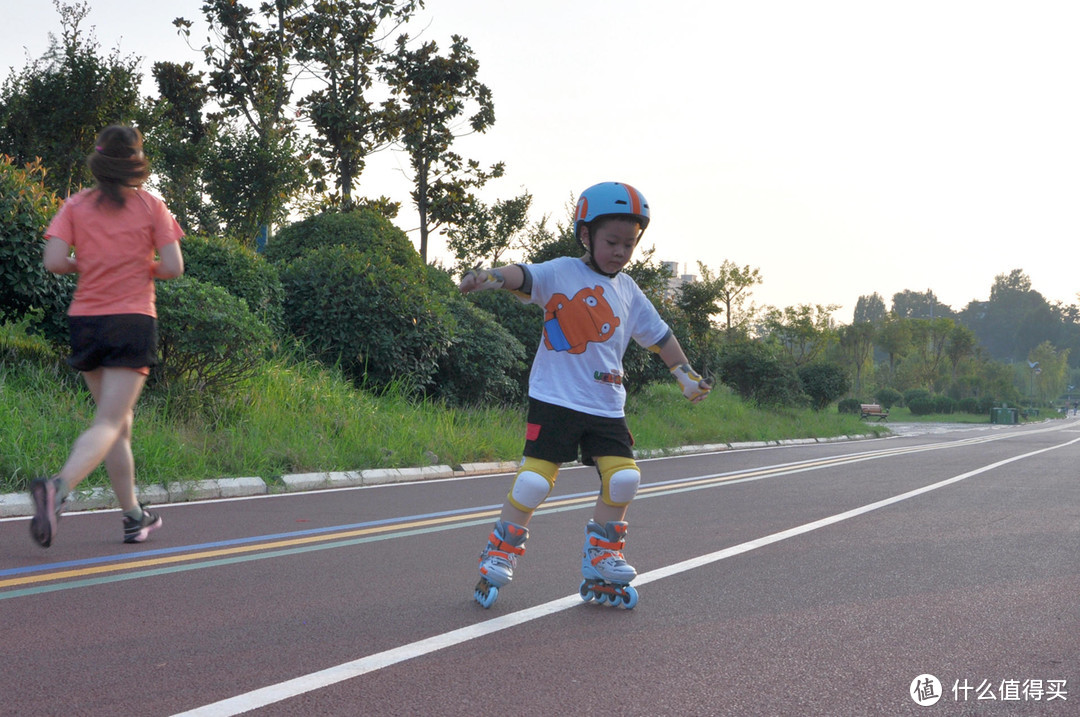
(555,434)
(115,341)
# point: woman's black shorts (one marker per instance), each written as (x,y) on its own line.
(117,340)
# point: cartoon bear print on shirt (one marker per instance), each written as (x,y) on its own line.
(572,324)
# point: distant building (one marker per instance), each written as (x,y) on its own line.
(675,279)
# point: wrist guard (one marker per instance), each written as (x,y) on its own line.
(694,387)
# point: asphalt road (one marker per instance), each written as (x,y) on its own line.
(820,579)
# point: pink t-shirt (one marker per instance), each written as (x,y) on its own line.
(114,250)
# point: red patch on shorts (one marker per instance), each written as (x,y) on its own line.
(532,431)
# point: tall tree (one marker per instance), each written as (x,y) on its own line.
(430,93)
(179,141)
(870,309)
(962,344)
(1014,320)
(249,54)
(55,106)
(857,343)
(339,46)
(894,338)
(735,285)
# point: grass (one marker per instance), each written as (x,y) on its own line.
(295,417)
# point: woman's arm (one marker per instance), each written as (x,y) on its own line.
(171,263)
(57,257)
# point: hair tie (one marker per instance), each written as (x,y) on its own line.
(97,149)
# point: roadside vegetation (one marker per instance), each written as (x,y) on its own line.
(294,415)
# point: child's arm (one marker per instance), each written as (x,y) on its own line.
(694,387)
(510,277)
(57,257)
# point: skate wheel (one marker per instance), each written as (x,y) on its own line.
(485,594)
(630,598)
(585,591)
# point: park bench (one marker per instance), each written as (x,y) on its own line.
(873,410)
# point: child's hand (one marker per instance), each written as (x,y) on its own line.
(694,387)
(477,279)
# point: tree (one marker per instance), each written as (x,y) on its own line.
(486,232)
(54,107)
(338,40)
(961,345)
(1050,373)
(894,338)
(801,332)
(736,283)
(701,300)
(250,78)
(430,95)
(857,343)
(179,142)
(870,309)
(1015,320)
(263,173)
(919,305)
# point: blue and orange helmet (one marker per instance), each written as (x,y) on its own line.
(610,198)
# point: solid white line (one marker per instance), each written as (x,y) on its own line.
(348,670)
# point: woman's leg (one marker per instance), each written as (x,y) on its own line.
(115,391)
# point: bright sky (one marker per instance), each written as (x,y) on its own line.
(842,147)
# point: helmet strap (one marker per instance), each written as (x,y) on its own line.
(592,256)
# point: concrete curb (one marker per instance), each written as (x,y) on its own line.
(14,505)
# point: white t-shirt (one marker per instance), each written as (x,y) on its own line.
(589,320)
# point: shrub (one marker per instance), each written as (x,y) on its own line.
(18,345)
(944,405)
(757,374)
(921,405)
(26,207)
(208,338)
(379,320)
(481,364)
(888,397)
(849,405)
(914,395)
(823,383)
(365,230)
(525,323)
(969,405)
(240,271)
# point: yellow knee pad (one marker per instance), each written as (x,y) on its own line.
(535,479)
(619,479)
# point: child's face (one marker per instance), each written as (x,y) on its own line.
(613,245)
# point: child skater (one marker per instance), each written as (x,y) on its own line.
(576,396)
(114,228)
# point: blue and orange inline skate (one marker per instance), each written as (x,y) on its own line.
(498,560)
(606,572)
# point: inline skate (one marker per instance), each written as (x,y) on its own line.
(606,572)
(498,560)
